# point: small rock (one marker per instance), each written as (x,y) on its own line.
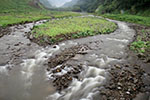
(54,46)
(29,44)
(128,92)
(118,66)
(31,37)
(119,88)
(16,44)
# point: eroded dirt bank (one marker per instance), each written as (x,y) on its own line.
(93,68)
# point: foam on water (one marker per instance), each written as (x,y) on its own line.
(29,66)
(83,89)
(119,40)
(4,69)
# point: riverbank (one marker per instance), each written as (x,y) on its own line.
(142,20)
(130,79)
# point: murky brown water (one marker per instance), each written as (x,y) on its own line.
(28,79)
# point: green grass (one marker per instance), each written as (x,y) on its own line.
(130,18)
(140,46)
(77,27)
(20,11)
(15,18)
(142,43)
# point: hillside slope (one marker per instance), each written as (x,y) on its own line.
(140,7)
(7,6)
(22,11)
(46,3)
(70,4)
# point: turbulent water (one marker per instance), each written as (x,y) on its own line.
(29,80)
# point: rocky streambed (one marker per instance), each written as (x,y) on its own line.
(93,68)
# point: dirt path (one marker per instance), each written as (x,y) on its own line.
(82,69)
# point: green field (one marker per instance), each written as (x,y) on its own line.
(21,11)
(130,18)
(75,28)
(15,18)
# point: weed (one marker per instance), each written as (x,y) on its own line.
(140,46)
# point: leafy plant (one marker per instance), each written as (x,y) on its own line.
(140,46)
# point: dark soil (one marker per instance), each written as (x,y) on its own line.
(46,40)
(4,31)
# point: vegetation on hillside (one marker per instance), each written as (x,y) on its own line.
(21,11)
(58,30)
(140,7)
(16,18)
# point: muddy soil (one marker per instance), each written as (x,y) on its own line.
(5,31)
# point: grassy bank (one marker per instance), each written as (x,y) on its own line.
(130,18)
(17,17)
(141,45)
(142,42)
(62,29)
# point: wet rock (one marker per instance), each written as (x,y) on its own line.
(54,46)
(119,88)
(29,44)
(83,50)
(16,44)
(63,56)
(148,61)
(5,31)
(118,66)
(31,37)
(62,81)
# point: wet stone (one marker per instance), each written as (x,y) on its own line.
(54,46)
(62,81)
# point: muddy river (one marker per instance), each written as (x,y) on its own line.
(23,74)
